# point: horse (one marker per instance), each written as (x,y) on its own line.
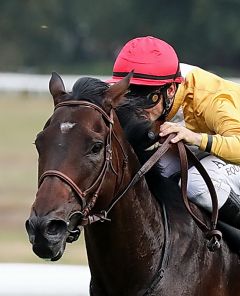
(136,244)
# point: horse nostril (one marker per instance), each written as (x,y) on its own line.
(55,227)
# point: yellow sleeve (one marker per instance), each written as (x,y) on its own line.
(204,142)
(223,118)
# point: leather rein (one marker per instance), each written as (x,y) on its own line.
(84,217)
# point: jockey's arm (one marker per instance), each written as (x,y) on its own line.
(223,118)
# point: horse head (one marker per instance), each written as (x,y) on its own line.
(76,165)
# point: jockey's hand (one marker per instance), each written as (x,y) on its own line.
(182,133)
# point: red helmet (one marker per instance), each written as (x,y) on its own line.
(154,62)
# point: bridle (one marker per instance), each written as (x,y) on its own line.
(83,217)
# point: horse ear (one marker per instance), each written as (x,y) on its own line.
(57,88)
(115,93)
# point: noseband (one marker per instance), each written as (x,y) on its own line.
(83,215)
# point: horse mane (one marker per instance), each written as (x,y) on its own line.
(89,89)
(136,128)
(135,125)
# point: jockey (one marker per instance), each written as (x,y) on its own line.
(211,110)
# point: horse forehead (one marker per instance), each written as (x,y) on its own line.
(86,120)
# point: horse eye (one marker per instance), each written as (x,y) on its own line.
(97,147)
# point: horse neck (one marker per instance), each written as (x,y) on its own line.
(135,233)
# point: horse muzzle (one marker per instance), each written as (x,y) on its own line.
(47,236)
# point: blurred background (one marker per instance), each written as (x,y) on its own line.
(78,38)
(84,36)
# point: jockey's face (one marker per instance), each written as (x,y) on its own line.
(156,111)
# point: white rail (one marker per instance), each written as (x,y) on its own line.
(39,83)
(35,83)
(43,280)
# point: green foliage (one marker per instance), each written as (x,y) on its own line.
(76,35)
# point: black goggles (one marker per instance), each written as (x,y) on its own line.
(144,98)
(153,98)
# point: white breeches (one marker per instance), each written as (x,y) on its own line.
(225,176)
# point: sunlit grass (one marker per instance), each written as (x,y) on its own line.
(21,118)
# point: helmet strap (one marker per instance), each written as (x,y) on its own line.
(167,104)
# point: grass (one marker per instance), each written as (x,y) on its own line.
(21,118)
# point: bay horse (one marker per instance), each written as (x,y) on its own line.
(144,247)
